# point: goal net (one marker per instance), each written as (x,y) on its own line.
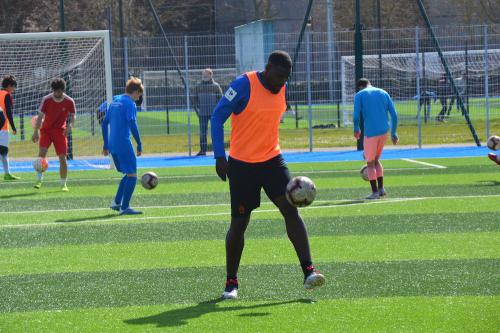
(397,74)
(83,59)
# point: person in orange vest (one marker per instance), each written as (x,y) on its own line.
(9,85)
(256,101)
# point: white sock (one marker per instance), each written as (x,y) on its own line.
(63,181)
(5,162)
(39,175)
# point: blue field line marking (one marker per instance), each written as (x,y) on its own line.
(303,157)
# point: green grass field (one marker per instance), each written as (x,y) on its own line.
(426,259)
(156,140)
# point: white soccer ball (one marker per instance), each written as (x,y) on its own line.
(493,142)
(364,173)
(300,191)
(41,164)
(149,180)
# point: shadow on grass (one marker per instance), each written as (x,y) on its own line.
(179,317)
(342,203)
(95,218)
(10,196)
(488,183)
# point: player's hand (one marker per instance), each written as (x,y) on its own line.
(105,152)
(221,167)
(139,153)
(357,135)
(35,136)
(395,139)
(14,132)
(67,131)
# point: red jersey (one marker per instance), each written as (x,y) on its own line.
(56,113)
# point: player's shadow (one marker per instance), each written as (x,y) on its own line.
(488,183)
(19,195)
(94,218)
(179,317)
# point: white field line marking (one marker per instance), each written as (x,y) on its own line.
(204,176)
(203,215)
(424,163)
(364,202)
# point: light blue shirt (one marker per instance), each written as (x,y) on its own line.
(374,104)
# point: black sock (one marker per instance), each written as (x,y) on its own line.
(373,183)
(380,181)
(307,268)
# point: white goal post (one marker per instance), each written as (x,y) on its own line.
(82,58)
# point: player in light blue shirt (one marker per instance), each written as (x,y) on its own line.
(121,117)
(375,105)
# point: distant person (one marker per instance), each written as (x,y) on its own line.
(121,116)
(54,129)
(207,94)
(374,104)
(9,85)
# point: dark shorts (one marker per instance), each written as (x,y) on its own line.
(125,162)
(247,179)
(4,150)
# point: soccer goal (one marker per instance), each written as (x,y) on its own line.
(83,59)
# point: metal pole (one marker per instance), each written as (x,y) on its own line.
(188,99)
(308,78)
(329,28)
(166,101)
(417,69)
(358,62)
(125,58)
(120,14)
(379,43)
(62,26)
(486,81)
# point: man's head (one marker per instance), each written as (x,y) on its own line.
(134,88)
(278,70)
(58,86)
(362,84)
(207,74)
(9,83)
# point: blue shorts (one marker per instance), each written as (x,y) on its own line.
(125,162)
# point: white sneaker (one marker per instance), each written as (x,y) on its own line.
(373,196)
(115,206)
(314,280)
(233,294)
(382,192)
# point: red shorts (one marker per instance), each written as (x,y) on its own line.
(56,136)
(373,146)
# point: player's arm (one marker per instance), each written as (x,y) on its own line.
(394,119)
(134,129)
(8,110)
(356,115)
(105,134)
(39,120)
(234,101)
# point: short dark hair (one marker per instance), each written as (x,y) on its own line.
(58,84)
(281,59)
(134,84)
(362,83)
(9,80)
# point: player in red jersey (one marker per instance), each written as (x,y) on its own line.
(52,116)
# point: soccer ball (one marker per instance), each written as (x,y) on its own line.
(41,164)
(364,173)
(149,180)
(300,191)
(493,142)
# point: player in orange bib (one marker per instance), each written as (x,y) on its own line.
(9,85)
(52,116)
(256,101)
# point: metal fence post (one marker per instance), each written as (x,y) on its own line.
(486,81)
(330,46)
(125,58)
(417,70)
(308,78)
(188,102)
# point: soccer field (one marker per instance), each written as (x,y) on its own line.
(427,258)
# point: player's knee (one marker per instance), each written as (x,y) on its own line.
(132,175)
(370,163)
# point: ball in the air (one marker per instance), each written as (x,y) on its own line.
(493,142)
(300,191)
(41,164)
(149,180)
(364,173)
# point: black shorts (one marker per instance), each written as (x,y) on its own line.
(247,179)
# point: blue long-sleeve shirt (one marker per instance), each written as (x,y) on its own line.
(234,101)
(122,120)
(374,104)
